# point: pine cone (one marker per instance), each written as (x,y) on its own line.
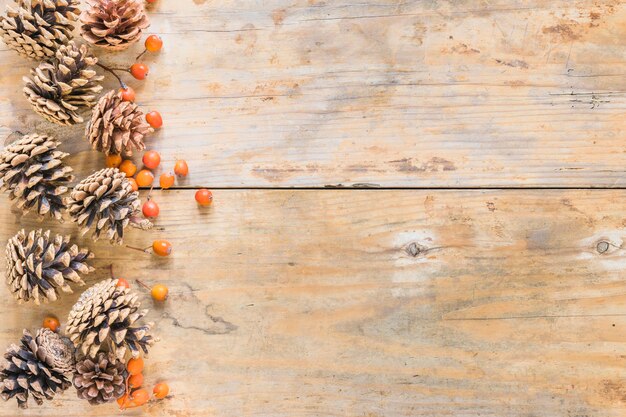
(40,366)
(100,380)
(38,266)
(37,28)
(114,24)
(32,170)
(62,85)
(107,199)
(117,126)
(103,317)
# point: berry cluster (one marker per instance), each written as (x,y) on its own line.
(135,395)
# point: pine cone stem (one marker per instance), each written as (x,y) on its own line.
(112,71)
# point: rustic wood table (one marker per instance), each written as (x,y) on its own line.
(420,209)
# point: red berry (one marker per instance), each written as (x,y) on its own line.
(51,323)
(121,282)
(133,184)
(159,292)
(135,381)
(113,161)
(180,168)
(151,159)
(153,43)
(135,366)
(150,209)
(166,180)
(162,247)
(144,178)
(128,94)
(154,119)
(161,390)
(139,70)
(204,197)
(140,397)
(151,1)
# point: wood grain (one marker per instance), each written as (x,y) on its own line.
(294,93)
(375,303)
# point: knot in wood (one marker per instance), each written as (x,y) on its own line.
(413,249)
(602,246)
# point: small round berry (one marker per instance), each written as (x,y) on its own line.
(150,209)
(128,94)
(133,184)
(162,247)
(140,397)
(204,197)
(159,292)
(113,161)
(128,168)
(51,323)
(123,400)
(166,180)
(151,159)
(135,366)
(151,1)
(135,381)
(153,43)
(161,390)
(139,70)
(144,178)
(121,282)
(180,168)
(154,119)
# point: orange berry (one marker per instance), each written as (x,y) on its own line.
(159,292)
(139,70)
(151,1)
(154,119)
(133,184)
(166,180)
(113,161)
(121,282)
(153,43)
(122,401)
(180,168)
(151,159)
(162,247)
(135,381)
(140,397)
(150,209)
(51,323)
(128,168)
(135,366)
(128,94)
(204,197)
(144,178)
(161,390)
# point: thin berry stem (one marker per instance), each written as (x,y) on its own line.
(142,284)
(112,71)
(111,269)
(141,54)
(145,250)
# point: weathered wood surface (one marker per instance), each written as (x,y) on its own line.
(284,93)
(377,303)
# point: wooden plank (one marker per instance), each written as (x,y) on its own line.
(375,303)
(286,93)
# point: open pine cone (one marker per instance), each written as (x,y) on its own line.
(114,24)
(36,28)
(61,86)
(106,200)
(40,367)
(101,379)
(117,126)
(39,266)
(103,319)
(33,171)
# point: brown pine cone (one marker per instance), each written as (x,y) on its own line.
(117,126)
(103,319)
(40,367)
(33,171)
(101,379)
(61,86)
(114,24)
(36,28)
(39,266)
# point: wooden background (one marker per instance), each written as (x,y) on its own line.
(484,278)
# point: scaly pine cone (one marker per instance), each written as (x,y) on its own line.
(117,126)
(32,170)
(114,24)
(101,379)
(106,200)
(59,87)
(103,317)
(39,266)
(40,367)
(37,28)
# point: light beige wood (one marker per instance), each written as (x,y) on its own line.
(284,93)
(375,303)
